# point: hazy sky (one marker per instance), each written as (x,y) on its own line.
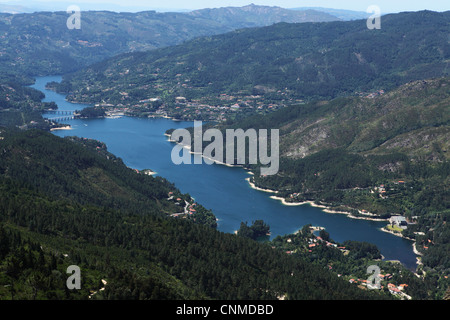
(358,5)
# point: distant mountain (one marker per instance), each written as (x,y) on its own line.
(29,6)
(341,14)
(284,61)
(40,43)
(260,15)
(13,9)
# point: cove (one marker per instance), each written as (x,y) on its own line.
(142,145)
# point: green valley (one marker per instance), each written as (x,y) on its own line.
(371,158)
(256,70)
(363,117)
(117,229)
(41,44)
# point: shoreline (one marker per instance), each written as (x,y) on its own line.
(400,236)
(324,208)
(283,201)
(187,147)
(61,128)
(414,243)
(253,186)
(328,209)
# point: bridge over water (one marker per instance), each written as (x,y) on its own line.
(60,119)
(59,115)
(60,112)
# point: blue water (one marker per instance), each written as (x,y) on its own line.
(142,145)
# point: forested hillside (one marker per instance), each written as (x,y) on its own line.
(412,119)
(372,157)
(65,203)
(22,106)
(41,44)
(283,62)
(257,16)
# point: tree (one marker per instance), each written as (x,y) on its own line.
(306,230)
(257,230)
(260,229)
(4,243)
(245,231)
(324,235)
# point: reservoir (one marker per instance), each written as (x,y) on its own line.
(141,144)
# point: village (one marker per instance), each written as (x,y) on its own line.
(209,108)
(300,244)
(188,110)
(217,108)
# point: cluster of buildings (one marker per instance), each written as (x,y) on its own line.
(213,108)
(314,242)
(189,208)
(383,189)
(89,44)
(371,95)
(216,109)
(399,221)
(393,289)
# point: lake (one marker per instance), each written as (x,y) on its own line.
(141,144)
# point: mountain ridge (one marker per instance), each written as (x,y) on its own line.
(41,44)
(339,13)
(283,62)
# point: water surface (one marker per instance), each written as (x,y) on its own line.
(142,145)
